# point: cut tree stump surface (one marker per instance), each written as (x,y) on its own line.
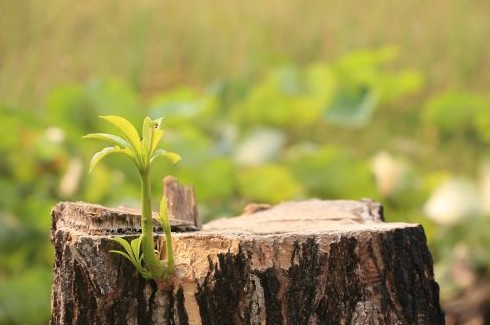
(309,262)
(313,216)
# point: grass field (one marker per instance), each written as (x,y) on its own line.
(156,44)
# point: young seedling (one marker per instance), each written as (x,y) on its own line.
(142,152)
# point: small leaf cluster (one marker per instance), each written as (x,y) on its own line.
(141,152)
(133,254)
(132,250)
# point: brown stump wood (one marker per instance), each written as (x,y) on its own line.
(309,262)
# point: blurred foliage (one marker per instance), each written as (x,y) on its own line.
(295,132)
(154,43)
(300,114)
(459,114)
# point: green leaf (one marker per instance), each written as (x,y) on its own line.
(124,243)
(24,295)
(135,245)
(147,132)
(269,184)
(125,255)
(171,156)
(151,135)
(352,107)
(128,131)
(157,136)
(136,263)
(98,156)
(133,254)
(111,138)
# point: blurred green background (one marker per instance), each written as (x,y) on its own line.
(265,102)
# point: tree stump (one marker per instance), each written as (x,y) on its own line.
(309,262)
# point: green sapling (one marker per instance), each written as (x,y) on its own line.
(142,151)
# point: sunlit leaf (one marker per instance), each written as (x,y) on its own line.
(127,129)
(107,151)
(147,133)
(171,156)
(157,136)
(111,138)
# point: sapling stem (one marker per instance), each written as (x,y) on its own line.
(148,244)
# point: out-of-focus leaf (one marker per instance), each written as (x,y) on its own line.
(67,107)
(281,99)
(10,228)
(24,298)
(321,83)
(113,96)
(75,107)
(100,184)
(454,112)
(192,143)
(183,104)
(331,172)
(366,70)
(481,121)
(11,124)
(352,107)
(397,84)
(214,178)
(269,184)
(363,67)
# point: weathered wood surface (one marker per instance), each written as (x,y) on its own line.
(181,201)
(310,262)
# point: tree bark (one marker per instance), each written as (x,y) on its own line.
(310,262)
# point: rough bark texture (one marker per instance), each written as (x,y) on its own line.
(311,262)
